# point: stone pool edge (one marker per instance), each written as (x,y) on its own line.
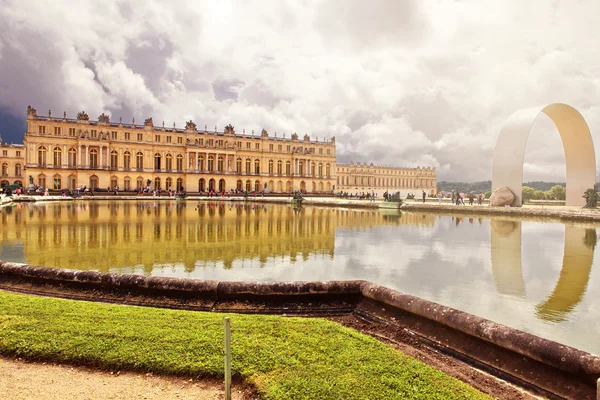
(539,365)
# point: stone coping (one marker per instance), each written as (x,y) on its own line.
(560,362)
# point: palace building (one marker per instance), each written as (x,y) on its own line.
(66,153)
(62,153)
(353,178)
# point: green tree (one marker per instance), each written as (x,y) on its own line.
(528,193)
(488,194)
(558,192)
(538,195)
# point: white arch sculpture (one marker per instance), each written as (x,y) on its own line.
(580,157)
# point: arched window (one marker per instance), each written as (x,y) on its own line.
(94,158)
(257,166)
(114,159)
(239,182)
(169,184)
(279,168)
(248,185)
(42,156)
(57,152)
(18,169)
(301,169)
(288,168)
(179,165)
(4,169)
(328,170)
(220,164)
(139,182)
(238,167)
(248,167)
(169,164)
(113,182)
(72,157)
(139,161)
(211,163)
(127,183)
(270,167)
(179,186)
(42,180)
(320,170)
(257,186)
(127,160)
(157,184)
(312,171)
(201,163)
(157,159)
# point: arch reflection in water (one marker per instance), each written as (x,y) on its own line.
(142,236)
(578,255)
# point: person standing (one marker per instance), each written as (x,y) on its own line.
(424,194)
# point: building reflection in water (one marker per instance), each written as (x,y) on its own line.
(578,254)
(143,235)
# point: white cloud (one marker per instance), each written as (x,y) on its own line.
(402,83)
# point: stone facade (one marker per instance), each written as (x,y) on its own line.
(62,153)
(12,158)
(356,178)
(69,153)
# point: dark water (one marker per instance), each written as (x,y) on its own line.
(539,277)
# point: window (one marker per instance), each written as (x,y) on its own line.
(114,159)
(279,167)
(113,135)
(168,139)
(57,131)
(179,186)
(247,145)
(288,168)
(94,133)
(42,156)
(247,165)
(220,143)
(257,146)
(18,154)
(139,161)
(211,162)
(18,170)
(71,131)
(72,157)
(157,160)
(328,170)
(320,170)
(271,167)
(320,151)
(179,140)
(201,142)
(127,160)
(279,148)
(169,163)
(4,169)
(220,164)
(140,137)
(57,156)
(179,165)
(41,129)
(210,142)
(169,184)
(42,180)
(257,166)
(127,136)
(56,181)
(312,169)
(288,149)
(93,158)
(271,147)
(238,165)
(5,152)
(157,138)
(239,144)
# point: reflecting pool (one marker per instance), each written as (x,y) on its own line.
(539,277)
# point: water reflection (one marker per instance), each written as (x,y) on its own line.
(122,235)
(578,256)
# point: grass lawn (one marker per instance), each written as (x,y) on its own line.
(285,358)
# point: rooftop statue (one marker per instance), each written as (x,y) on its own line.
(82,116)
(104,118)
(148,122)
(190,126)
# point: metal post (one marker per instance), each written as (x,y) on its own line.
(227,359)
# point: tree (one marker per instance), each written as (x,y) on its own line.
(528,193)
(538,195)
(558,192)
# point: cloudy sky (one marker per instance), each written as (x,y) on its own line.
(411,82)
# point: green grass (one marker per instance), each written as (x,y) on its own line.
(284,358)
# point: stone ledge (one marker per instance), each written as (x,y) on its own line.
(538,364)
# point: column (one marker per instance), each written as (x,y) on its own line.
(86,162)
(100,162)
(226,162)
(79,157)
(205,162)
(65,156)
(187,161)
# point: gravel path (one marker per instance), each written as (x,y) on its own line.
(20,380)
